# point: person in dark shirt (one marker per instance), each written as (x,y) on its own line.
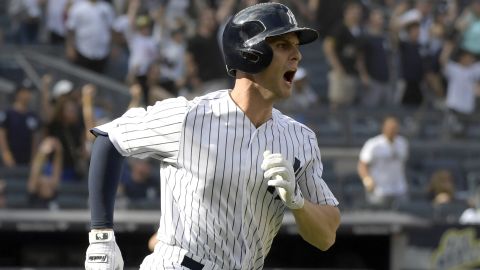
(412,67)
(69,129)
(341,49)
(138,182)
(375,74)
(19,128)
(205,67)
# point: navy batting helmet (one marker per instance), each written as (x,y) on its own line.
(244,45)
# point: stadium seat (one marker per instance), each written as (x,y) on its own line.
(416,207)
(449,212)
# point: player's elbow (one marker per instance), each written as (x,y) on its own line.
(322,242)
(326,242)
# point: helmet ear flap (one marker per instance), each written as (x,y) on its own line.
(250,55)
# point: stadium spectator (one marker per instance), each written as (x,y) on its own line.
(19,126)
(341,47)
(172,67)
(45,174)
(138,183)
(89,33)
(56,14)
(205,67)
(468,24)
(446,206)
(326,14)
(406,28)
(462,76)
(441,189)
(142,46)
(382,166)
(158,90)
(375,73)
(68,127)
(49,95)
(25,20)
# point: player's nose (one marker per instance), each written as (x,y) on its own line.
(296,54)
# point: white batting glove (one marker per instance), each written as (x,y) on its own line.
(281,176)
(103,252)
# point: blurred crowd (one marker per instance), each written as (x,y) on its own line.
(379,53)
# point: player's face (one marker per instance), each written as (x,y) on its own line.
(278,76)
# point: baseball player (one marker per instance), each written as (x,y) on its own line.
(230,163)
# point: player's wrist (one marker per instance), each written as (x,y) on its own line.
(101,236)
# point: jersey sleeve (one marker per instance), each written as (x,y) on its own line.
(154,132)
(310,180)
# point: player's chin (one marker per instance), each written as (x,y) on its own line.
(286,89)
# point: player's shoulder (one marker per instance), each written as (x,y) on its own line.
(209,98)
(293,125)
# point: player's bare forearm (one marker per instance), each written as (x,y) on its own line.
(318,224)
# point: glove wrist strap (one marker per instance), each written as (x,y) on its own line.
(297,200)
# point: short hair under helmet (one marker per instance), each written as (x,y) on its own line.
(244,45)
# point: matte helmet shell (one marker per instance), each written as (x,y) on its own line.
(244,37)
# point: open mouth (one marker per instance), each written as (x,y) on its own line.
(288,76)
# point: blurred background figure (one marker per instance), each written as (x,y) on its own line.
(25,17)
(45,174)
(406,27)
(468,24)
(56,14)
(89,34)
(138,183)
(447,206)
(382,166)
(68,128)
(441,189)
(205,67)
(341,48)
(462,74)
(375,74)
(143,48)
(19,129)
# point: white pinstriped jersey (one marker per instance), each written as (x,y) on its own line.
(216,207)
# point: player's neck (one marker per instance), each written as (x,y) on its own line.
(248,97)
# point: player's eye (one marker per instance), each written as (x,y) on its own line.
(282,45)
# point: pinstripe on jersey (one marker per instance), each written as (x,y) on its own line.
(215,205)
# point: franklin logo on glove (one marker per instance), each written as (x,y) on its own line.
(98,258)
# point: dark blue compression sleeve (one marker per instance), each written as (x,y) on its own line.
(103,177)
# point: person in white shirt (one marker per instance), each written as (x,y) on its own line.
(472,215)
(462,76)
(382,166)
(89,33)
(173,64)
(56,17)
(143,48)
